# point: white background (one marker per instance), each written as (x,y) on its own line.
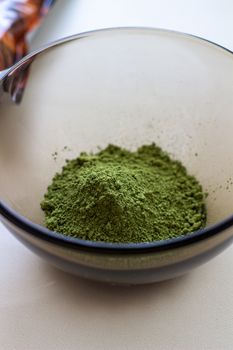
(42,308)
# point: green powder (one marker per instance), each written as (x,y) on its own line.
(121,196)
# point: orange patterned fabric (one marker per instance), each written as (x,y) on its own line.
(17,18)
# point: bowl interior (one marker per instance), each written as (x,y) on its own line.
(128,87)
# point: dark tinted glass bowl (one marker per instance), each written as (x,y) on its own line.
(126,86)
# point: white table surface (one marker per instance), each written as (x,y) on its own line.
(42,308)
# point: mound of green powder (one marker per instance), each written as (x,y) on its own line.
(121,196)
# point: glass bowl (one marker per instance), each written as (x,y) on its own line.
(126,86)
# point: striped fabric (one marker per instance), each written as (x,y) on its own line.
(17,18)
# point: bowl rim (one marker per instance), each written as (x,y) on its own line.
(43,233)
